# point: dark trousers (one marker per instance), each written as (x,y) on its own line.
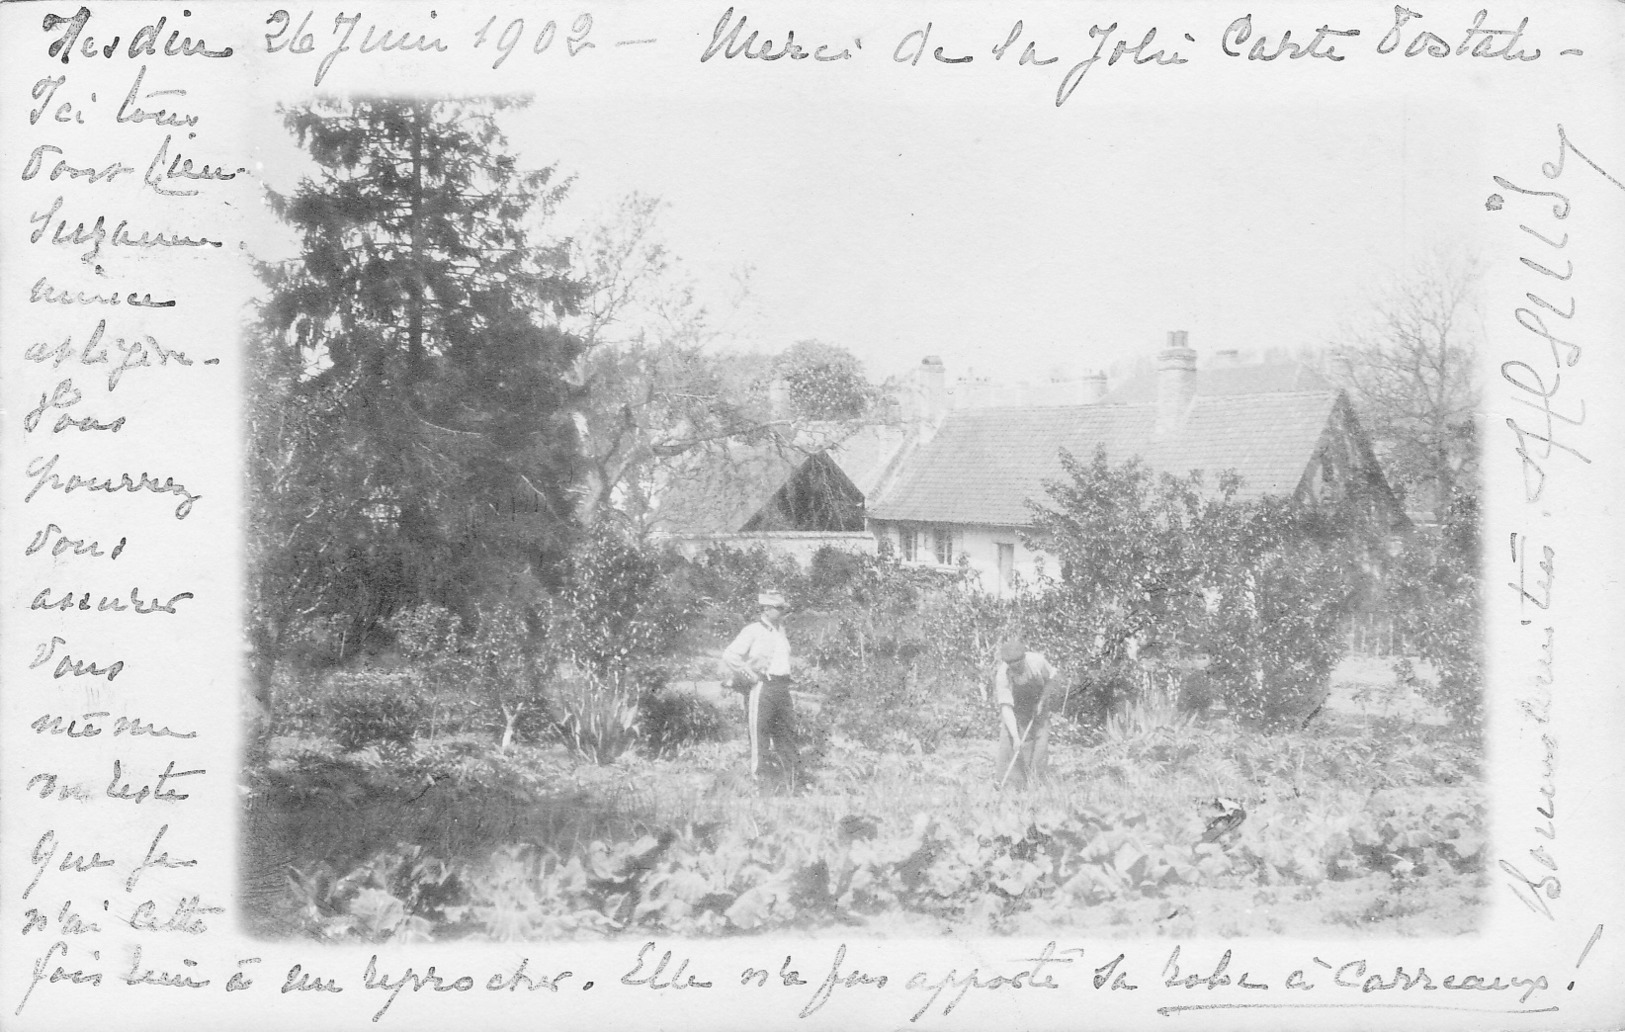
(771,719)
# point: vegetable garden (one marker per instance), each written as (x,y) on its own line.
(483,785)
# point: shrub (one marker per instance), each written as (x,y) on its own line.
(370,707)
(1275,645)
(670,720)
(1438,594)
(883,702)
(1157,560)
(497,667)
(831,575)
(615,610)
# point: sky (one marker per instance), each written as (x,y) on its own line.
(1010,238)
(899,233)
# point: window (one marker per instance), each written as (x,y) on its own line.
(944,546)
(906,544)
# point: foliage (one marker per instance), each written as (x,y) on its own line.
(409,431)
(980,873)
(1409,367)
(890,705)
(1437,591)
(543,848)
(501,664)
(825,381)
(720,585)
(615,611)
(600,721)
(673,719)
(1154,566)
(369,707)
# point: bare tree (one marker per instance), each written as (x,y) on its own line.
(654,388)
(664,399)
(1409,366)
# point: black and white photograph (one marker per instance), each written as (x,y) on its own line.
(784,516)
(896,573)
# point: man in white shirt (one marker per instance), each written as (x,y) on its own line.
(1022,690)
(760,657)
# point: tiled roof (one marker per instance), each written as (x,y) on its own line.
(718,493)
(866,453)
(983,464)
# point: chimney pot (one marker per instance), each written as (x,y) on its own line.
(1176,382)
(933,390)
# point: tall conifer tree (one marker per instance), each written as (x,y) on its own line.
(410,425)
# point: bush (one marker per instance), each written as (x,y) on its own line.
(1156,560)
(1274,647)
(885,702)
(832,574)
(616,609)
(670,720)
(371,707)
(495,669)
(1094,691)
(1438,594)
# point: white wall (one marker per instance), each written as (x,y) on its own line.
(799,545)
(978,544)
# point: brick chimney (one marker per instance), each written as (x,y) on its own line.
(1091,388)
(933,388)
(1176,382)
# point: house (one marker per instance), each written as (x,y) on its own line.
(792,497)
(964,491)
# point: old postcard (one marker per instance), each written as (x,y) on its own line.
(874,515)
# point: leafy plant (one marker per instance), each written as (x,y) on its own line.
(369,707)
(1160,561)
(671,719)
(599,722)
(1438,591)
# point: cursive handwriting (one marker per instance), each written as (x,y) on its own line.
(187,917)
(117,788)
(66,395)
(96,235)
(43,292)
(38,156)
(64,544)
(135,727)
(43,471)
(850,980)
(108,603)
(44,853)
(371,979)
(78,976)
(67,665)
(137,353)
(725,41)
(143,44)
(137,975)
(130,111)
